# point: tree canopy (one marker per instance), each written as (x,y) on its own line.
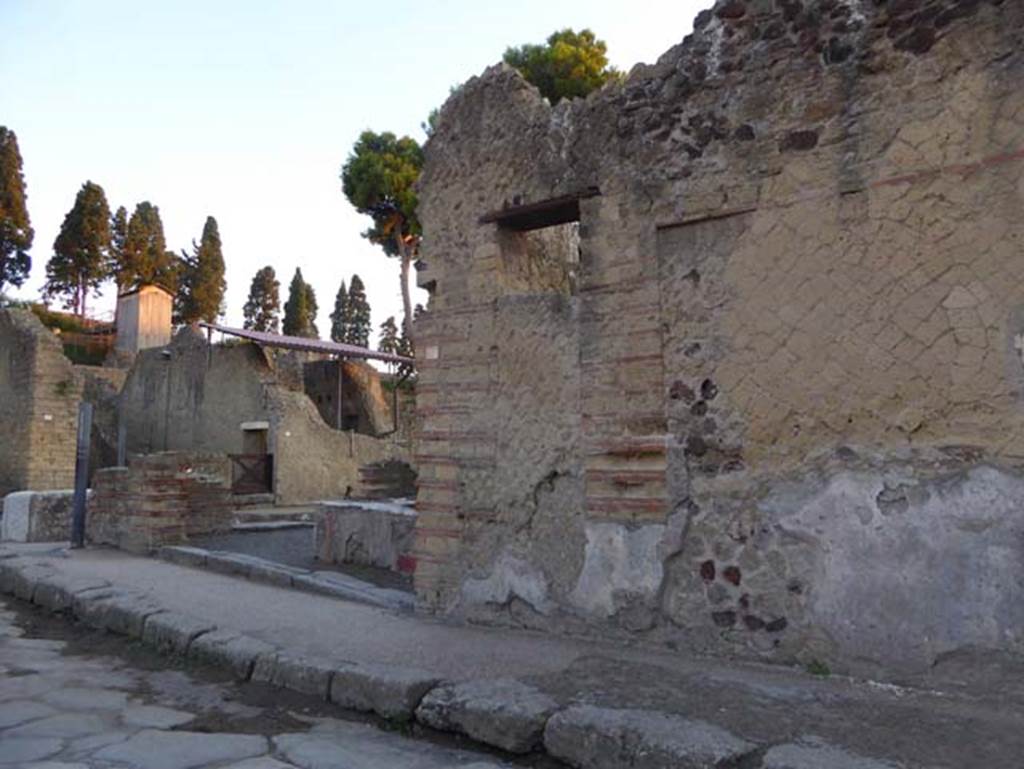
(81,250)
(16,233)
(300,309)
(379,179)
(569,65)
(201,283)
(263,307)
(145,258)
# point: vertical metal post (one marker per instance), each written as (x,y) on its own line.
(341,375)
(81,475)
(122,441)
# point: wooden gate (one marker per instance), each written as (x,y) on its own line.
(252,473)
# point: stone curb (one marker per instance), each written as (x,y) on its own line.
(261,570)
(502,713)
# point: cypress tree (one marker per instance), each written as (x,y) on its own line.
(81,249)
(15,228)
(145,258)
(118,239)
(388,341)
(300,309)
(311,304)
(201,285)
(339,318)
(263,307)
(359,314)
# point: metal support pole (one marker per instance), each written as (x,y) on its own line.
(122,441)
(81,475)
(341,375)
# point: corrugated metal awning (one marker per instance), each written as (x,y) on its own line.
(302,344)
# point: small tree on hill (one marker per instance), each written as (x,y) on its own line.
(379,178)
(359,326)
(339,318)
(569,65)
(201,285)
(81,250)
(16,233)
(263,307)
(300,309)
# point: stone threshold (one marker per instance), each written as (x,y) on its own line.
(328,583)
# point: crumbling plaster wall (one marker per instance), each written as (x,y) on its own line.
(313,461)
(790,371)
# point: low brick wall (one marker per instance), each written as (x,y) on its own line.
(160,499)
(37,516)
(365,533)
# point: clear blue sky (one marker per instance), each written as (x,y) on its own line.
(246,110)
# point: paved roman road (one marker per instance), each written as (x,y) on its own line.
(71,698)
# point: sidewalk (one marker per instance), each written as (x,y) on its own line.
(588,704)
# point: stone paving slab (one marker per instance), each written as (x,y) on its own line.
(153,749)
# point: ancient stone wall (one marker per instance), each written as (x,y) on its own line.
(364,407)
(194,397)
(160,499)
(313,461)
(775,407)
(39,396)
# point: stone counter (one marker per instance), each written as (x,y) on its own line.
(366,533)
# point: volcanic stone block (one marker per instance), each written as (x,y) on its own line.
(607,738)
(504,713)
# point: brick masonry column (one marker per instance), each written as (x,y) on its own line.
(624,428)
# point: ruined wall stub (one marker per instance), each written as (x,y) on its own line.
(40,391)
(39,396)
(777,405)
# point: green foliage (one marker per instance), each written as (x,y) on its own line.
(263,307)
(52,319)
(818,668)
(358,312)
(430,124)
(569,65)
(378,179)
(388,340)
(145,258)
(118,240)
(300,309)
(201,283)
(340,316)
(15,228)
(81,250)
